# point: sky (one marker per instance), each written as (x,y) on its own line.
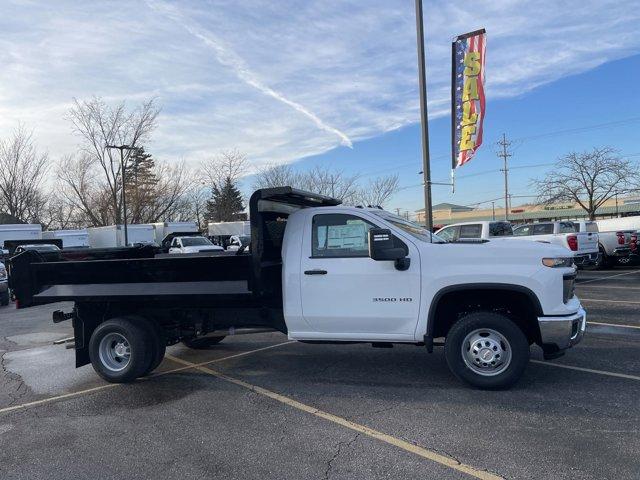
(330,82)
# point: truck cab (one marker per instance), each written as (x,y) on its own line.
(321,272)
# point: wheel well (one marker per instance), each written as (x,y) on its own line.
(518,305)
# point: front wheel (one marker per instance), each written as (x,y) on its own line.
(4,298)
(487,350)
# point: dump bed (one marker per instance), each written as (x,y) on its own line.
(206,281)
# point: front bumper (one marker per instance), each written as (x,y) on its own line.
(560,333)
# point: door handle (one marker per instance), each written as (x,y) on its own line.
(315,272)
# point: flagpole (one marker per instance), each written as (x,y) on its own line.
(426,166)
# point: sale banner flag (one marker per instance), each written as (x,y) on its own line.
(467,95)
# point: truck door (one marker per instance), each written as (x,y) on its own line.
(344,291)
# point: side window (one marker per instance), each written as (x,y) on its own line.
(338,235)
(542,228)
(447,233)
(500,229)
(568,227)
(522,231)
(470,231)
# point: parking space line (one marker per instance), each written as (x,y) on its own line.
(614,325)
(610,287)
(588,370)
(607,301)
(383,437)
(44,401)
(607,278)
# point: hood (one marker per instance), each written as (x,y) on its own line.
(497,252)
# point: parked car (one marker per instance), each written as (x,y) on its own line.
(4,286)
(193,244)
(475,230)
(321,272)
(613,246)
(583,245)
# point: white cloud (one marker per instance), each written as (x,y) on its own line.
(281,80)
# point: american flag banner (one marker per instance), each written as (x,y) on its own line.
(467,95)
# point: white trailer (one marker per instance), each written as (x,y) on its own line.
(70,238)
(113,235)
(162,229)
(25,231)
(219,229)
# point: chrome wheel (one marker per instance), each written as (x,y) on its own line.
(114,352)
(486,352)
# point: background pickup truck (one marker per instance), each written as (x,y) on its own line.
(583,244)
(193,244)
(613,246)
(320,272)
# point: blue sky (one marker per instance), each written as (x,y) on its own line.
(331,81)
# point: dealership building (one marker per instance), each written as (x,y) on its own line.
(447,213)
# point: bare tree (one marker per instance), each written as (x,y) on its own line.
(22,172)
(194,205)
(378,190)
(231,164)
(98,169)
(333,183)
(275,175)
(322,180)
(588,179)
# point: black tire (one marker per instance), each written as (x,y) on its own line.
(140,350)
(4,298)
(203,343)
(603,260)
(517,345)
(157,343)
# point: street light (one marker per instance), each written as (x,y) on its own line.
(122,148)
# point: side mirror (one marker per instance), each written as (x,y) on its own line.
(381,248)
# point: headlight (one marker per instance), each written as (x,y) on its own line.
(3,274)
(558,262)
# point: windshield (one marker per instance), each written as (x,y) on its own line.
(245,239)
(195,241)
(413,229)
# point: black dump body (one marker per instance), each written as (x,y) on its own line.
(135,276)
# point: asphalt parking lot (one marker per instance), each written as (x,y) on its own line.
(263,407)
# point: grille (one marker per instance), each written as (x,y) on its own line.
(568,287)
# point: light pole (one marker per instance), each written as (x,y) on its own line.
(426,167)
(122,148)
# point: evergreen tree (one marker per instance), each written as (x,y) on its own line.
(225,204)
(140,181)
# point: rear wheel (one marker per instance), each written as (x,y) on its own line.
(120,350)
(487,350)
(157,343)
(203,343)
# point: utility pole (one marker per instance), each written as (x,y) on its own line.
(493,210)
(426,167)
(505,155)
